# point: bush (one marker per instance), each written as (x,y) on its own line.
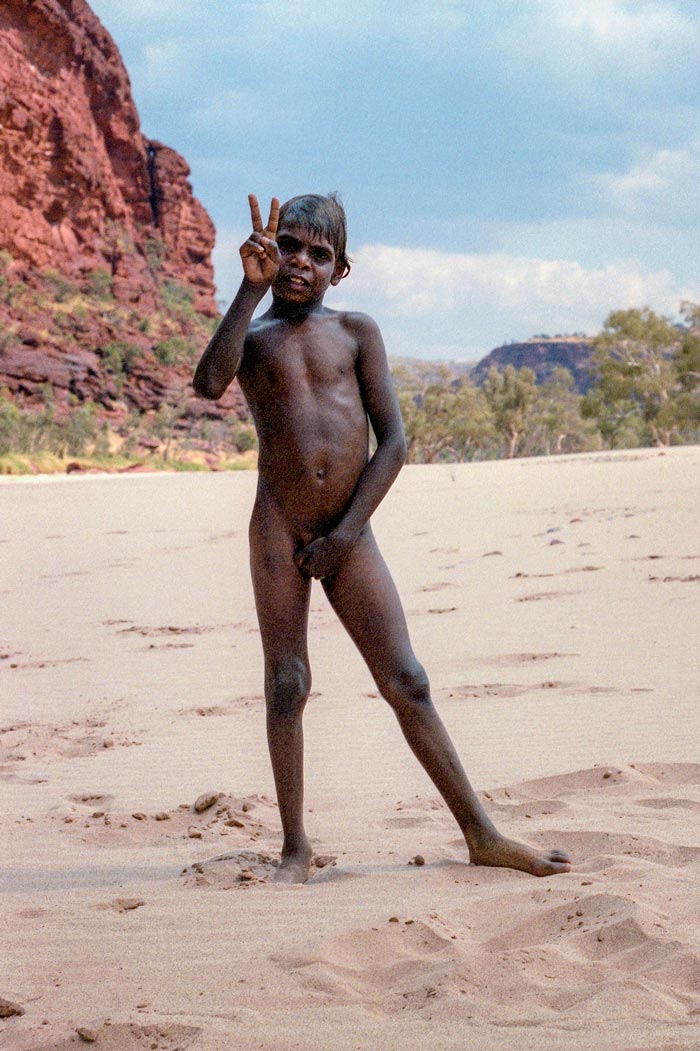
(22,431)
(99,283)
(178,299)
(119,357)
(174,351)
(60,286)
(154,251)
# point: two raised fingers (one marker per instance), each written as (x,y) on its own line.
(271,229)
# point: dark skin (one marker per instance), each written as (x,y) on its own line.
(313,378)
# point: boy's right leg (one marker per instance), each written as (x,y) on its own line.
(282,603)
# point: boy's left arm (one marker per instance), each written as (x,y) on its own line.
(323,557)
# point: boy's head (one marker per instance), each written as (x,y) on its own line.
(322,216)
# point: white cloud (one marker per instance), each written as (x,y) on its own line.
(415,281)
(618,23)
(441,304)
(663,187)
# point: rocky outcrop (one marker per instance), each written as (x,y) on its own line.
(106,279)
(81,188)
(542,356)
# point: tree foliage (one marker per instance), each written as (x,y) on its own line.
(645,391)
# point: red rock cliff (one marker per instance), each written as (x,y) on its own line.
(106,281)
(80,187)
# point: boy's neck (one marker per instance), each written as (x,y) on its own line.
(282,308)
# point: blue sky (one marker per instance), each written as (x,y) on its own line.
(508,167)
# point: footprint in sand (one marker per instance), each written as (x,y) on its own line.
(512,689)
(240,869)
(540,596)
(213,815)
(169,629)
(524,658)
(40,741)
(692,579)
(252,700)
(167,1036)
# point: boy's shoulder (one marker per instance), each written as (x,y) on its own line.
(355,321)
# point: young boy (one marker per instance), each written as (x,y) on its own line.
(313,378)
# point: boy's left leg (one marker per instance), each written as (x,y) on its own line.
(365,598)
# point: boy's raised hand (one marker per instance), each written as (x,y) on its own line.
(260,254)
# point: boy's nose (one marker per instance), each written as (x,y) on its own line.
(301,255)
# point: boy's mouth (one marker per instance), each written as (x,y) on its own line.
(295,281)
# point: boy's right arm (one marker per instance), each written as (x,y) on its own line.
(260,257)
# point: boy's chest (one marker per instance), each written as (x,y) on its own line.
(316,357)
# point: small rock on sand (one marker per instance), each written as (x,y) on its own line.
(321,861)
(8,1008)
(417,860)
(88,1035)
(206,800)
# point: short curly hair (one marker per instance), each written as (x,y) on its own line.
(323,216)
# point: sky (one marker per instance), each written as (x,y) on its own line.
(508,167)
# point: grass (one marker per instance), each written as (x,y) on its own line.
(43,462)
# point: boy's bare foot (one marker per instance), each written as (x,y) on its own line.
(497,850)
(294,866)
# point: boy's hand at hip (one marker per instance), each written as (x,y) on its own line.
(323,557)
(259,254)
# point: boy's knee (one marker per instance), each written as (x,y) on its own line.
(288,686)
(408,687)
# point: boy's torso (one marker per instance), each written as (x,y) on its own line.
(300,381)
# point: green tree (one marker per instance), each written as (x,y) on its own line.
(556,425)
(511,395)
(636,378)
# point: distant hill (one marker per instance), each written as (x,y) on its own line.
(542,356)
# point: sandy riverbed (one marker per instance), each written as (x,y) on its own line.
(555,604)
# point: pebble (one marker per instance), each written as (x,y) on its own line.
(88,1035)
(8,1008)
(206,800)
(417,860)
(194,833)
(162,816)
(322,860)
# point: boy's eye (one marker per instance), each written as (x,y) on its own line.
(320,255)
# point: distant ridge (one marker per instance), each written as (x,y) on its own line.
(542,356)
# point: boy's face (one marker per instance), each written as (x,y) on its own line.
(307,265)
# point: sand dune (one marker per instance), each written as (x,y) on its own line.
(555,605)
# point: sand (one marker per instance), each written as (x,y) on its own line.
(555,604)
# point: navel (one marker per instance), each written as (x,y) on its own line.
(321,473)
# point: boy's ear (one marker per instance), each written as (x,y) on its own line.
(342,270)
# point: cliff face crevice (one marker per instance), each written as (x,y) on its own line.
(77,176)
